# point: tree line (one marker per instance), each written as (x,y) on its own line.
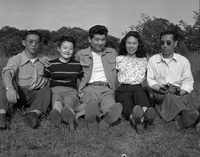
(149,28)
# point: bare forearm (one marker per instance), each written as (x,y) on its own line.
(7,79)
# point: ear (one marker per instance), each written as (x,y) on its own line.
(58,48)
(176,42)
(24,43)
(89,39)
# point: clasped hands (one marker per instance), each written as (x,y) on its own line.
(169,88)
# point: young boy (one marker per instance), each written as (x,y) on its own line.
(63,73)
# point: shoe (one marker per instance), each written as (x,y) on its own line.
(188,118)
(68,116)
(136,117)
(55,117)
(112,116)
(3,121)
(91,114)
(150,116)
(31,119)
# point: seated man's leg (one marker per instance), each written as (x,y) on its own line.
(37,103)
(91,111)
(169,106)
(7,107)
(110,109)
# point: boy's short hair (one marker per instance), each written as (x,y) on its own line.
(98,29)
(168,32)
(31,32)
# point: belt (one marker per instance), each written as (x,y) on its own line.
(98,83)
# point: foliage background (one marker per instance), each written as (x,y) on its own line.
(149,28)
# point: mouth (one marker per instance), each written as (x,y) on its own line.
(165,49)
(131,50)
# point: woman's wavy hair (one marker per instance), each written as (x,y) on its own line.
(141,52)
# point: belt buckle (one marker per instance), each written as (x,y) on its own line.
(101,83)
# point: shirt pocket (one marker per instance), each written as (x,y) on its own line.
(25,79)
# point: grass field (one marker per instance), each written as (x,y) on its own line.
(161,140)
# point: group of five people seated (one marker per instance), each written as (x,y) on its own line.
(98,83)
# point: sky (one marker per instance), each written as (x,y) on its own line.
(116,15)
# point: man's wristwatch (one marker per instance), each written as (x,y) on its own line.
(7,88)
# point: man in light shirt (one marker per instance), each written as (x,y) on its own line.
(96,89)
(25,84)
(169,75)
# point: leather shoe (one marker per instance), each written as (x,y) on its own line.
(31,119)
(3,121)
(150,116)
(136,117)
(68,116)
(55,117)
(188,118)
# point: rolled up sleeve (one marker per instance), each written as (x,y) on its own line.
(11,66)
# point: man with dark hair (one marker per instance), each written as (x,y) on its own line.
(169,75)
(96,89)
(25,84)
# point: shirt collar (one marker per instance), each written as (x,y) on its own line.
(90,50)
(25,59)
(161,57)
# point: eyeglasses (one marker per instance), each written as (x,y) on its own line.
(167,42)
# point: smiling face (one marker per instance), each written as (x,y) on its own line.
(131,45)
(66,50)
(98,42)
(167,45)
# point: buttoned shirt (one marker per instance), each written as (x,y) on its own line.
(131,70)
(28,75)
(176,71)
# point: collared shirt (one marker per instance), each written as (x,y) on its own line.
(176,71)
(131,70)
(27,74)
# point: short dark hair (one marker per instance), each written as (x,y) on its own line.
(98,29)
(140,51)
(168,32)
(64,38)
(31,32)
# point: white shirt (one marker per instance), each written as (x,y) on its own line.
(131,70)
(98,73)
(176,71)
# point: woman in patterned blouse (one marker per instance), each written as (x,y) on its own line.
(132,65)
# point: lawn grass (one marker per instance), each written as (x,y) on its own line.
(159,140)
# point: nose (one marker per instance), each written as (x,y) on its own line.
(100,42)
(131,45)
(165,44)
(67,50)
(34,43)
